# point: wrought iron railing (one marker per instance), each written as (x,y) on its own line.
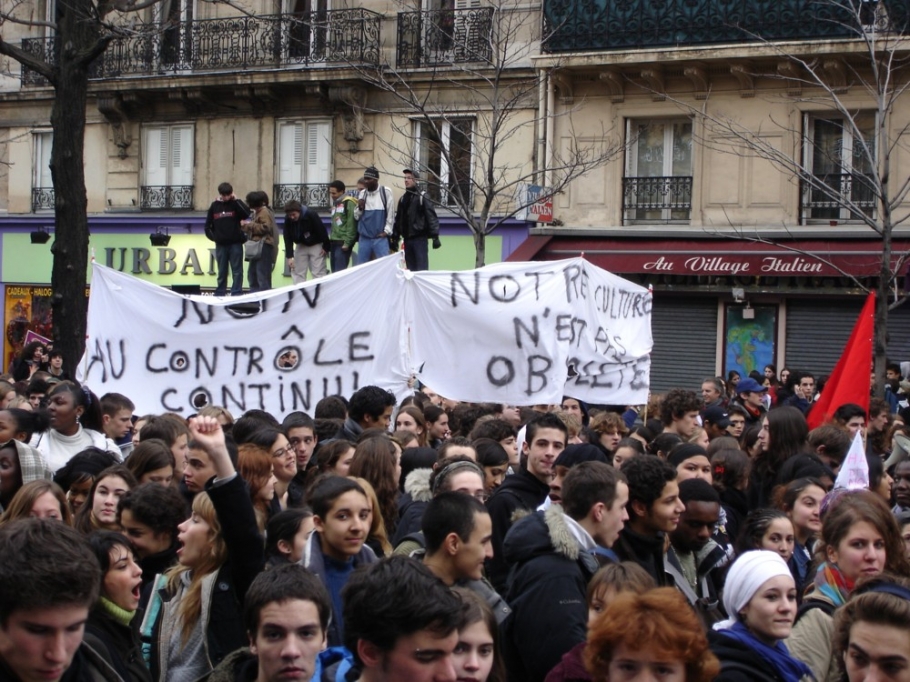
(42,199)
(343,36)
(164,197)
(312,196)
(662,199)
(445,36)
(627,24)
(846,190)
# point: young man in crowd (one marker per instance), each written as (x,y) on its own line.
(401,623)
(223,225)
(553,557)
(679,412)
(737,416)
(750,396)
(457,531)
(341,516)
(694,559)
(117,420)
(852,418)
(344,225)
(370,407)
(416,222)
(545,438)
(49,578)
(306,242)
(654,510)
(375,217)
(715,421)
(286,615)
(803,392)
(300,430)
(149,515)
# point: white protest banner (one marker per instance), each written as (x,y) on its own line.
(294,346)
(529,333)
(517,333)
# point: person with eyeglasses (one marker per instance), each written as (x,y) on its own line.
(284,462)
(458,533)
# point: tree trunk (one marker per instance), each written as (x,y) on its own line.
(77,32)
(882,295)
(480,249)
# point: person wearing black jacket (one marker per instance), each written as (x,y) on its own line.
(306,241)
(416,221)
(223,225)
(654,510)
(553,557)
(112,619)
(546,437)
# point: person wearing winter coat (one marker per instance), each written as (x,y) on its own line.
(551,554)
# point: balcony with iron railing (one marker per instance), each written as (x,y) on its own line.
(312,195)
(444,37)
(657,199)
(42,199)
(571,25)
(331,37)
(166,197)
(830,197)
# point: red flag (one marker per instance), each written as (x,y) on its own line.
(850,382)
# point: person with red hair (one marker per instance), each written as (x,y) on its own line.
(655,634)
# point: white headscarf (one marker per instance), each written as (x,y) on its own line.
(745,577)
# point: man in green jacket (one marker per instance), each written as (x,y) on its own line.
(344,226)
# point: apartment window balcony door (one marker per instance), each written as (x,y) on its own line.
(841,158)
(444,155)
(305,31)
(658,182)
(304,163)
(167,168)
(42,185)
(176,46)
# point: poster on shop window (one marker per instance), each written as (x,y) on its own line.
(517,333)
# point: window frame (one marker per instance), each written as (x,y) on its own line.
(630,169)
(442,181)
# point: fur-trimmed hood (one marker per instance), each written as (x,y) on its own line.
(543,532)
(417,485)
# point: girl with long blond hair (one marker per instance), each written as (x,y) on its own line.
(193,619)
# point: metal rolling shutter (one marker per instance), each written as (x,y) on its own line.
(899,334)
(817,331)
(685,342)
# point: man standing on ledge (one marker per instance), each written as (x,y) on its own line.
(223,226)
(417,222)
(375,215)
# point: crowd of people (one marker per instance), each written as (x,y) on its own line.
(699,537)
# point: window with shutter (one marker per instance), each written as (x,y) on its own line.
(304,160)
(167,167)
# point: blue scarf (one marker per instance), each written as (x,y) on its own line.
(789,669)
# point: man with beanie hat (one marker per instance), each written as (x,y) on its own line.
(694,558)
(552,555)
(375,216)
(416,222)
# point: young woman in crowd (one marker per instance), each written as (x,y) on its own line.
(333,458)
(152,461)
(78,474)
(7,394)
(603,588)
(760,600)
(40,499)
(283,458)
(880,481)
(377,537)
(19,464)
(872,631)
(654,635)
(21,424)
(691,461)
(801,501)
(411,419)
(254,464)
(730,470)
(111,618)
(286,535)
(627,449)
(376,460)
(784,433)
(75,424)
(477,657)
(768,529)
(100,509)
(220,553)
(494,459)
(860,538)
